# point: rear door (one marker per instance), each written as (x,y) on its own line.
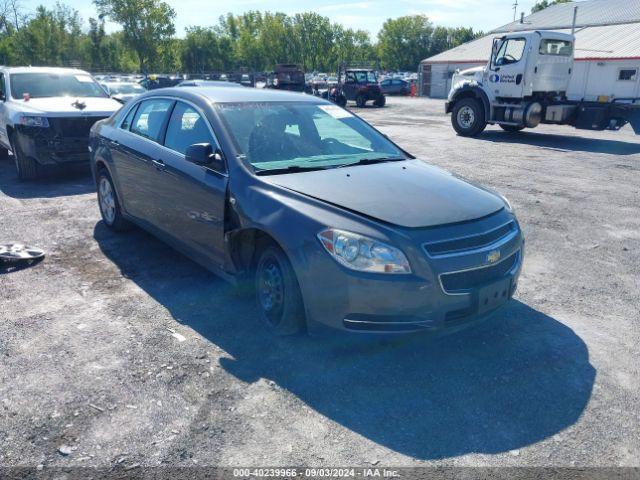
(190,197)
(135,150)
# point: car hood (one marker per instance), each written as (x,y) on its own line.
(63,106)
(409,194)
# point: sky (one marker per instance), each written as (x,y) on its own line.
(367,15)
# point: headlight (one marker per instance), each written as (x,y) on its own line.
(364,254)
(34,121)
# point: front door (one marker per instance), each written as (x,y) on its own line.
(506,76)
(134,151)
(190,197)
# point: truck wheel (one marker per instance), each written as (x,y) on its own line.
(277,292)
(108,203)
(361,101)
(341,101)
(468,117)
(512,128)
(380,101)
(26,167)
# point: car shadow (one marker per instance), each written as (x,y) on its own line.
(55,182)
(514,380)
(563,142)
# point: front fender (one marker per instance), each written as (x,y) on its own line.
(465,90)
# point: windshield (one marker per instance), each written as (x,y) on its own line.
(277,136)
(362,77)
(41,85)
(126,88)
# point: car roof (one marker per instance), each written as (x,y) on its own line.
(44,70)
(237,94)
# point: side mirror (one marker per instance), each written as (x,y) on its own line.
(203,154)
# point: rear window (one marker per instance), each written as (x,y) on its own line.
(562,48)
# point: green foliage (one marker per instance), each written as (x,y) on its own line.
(542,4)
(253,40)
(147,26)
(403,42)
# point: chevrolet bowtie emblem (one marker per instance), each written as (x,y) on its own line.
(493,257)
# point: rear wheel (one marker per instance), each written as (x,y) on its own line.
(381,101)
(512,128)
(277,292)
(26,167)
(108,203)
(361,100)
(468,117)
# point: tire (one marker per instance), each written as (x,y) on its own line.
(361,101)
(109,204)
(512,128)
(26,167)
(278,295)
(380,102)
(468,118)
(341,101)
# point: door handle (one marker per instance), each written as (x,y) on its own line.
(114,143)
(159,164)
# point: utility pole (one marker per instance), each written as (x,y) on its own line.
(515,10)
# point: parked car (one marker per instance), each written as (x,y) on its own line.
(153,82)
(123,91)
(46,114)
(394,86)
(337,226)
(287,77)
(208,83)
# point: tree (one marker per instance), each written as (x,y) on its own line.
(403,42)
(542,4)
(147,25)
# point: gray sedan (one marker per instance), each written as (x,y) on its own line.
(336,225)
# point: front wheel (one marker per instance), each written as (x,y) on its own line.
(277,292)
(468,118)
(341,101)
(380,101)
(26,167)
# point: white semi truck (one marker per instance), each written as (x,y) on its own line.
(525,84)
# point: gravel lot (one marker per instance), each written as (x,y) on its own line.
(117,351)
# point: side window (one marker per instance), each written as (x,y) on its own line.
(628,74)
(186,127)
(126,123)
(150,117)
(3,92)
(510,51)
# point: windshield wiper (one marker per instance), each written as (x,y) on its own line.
(289,169)
(371,161)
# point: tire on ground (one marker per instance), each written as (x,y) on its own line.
(119,223)
(380,101)
(468,118)
(512,128)
(286,317)
(26,167)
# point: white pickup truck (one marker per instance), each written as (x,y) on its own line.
(46,115)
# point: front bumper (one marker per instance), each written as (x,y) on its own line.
(342,299)
(64,142)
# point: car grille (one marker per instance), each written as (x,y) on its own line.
(469,279)
(471,242)
(77,127)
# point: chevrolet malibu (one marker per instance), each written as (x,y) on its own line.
(337,226)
